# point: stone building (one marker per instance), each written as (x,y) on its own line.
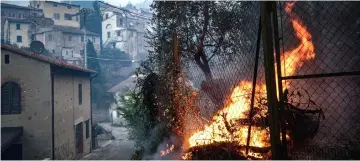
(67,43)
(45,107)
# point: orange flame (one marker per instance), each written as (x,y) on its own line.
(237,106)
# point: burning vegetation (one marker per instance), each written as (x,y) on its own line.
(229,126)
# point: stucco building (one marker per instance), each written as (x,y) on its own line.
(65,39)
(17,21)
(125,29)
(45,107)
(61,13)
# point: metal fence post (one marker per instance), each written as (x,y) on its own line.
(265,12)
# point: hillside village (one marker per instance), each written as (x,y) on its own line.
(70,46)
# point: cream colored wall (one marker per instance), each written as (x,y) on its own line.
(49,11)
(69,113)
(34,79)
(24,28)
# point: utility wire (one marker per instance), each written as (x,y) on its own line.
(115,59)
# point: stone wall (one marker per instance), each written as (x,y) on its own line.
(33,76)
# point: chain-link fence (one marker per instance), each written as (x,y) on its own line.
(320,76)
(320,44)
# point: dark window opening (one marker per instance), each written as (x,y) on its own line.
(19,15)
(10,98)
(80,94)
(87,132)
(67,16)
(82,38)
(7,59)
(18,38)
(54,4)
(53,51)
(17,26)
(118,33)
(108,34)
(106,16)
(69,7)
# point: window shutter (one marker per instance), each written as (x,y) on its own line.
(5,98)
(16,99)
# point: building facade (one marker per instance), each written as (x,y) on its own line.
(14,14)
(17,32)
(65,39)
(50,101)
(67,43)
(61,13)
(125,29)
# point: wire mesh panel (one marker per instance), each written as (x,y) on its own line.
(320,71)
(224,98)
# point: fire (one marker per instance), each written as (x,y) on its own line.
(168,150)
(224,128)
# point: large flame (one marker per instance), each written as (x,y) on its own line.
(237,106)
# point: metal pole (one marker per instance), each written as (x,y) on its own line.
(265,10)
(254,85)
(85,55)
(279,82)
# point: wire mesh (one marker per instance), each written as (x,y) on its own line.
(319,38)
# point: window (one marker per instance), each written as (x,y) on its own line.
(54,4)
(81,52)
(9,14)
(118,33)
(70,38)
(7,59)
(80,94)
(82,38)
(67,53)
(50,37)
(106,16)
(56,16)
(77,18)
(87,132)
(121,22)
(53,51)
(10,98)
(18,38)
(69,7)
(108,34)
(17,26)
(19,15)
(67,16)
(13,15)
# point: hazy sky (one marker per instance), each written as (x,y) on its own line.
(113,2)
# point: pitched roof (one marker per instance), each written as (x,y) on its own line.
(46,59)
(7,5)
(19,20)
(130,83)
(65,29)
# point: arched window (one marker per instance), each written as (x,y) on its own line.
(10,98)
(13,15)
(19,15)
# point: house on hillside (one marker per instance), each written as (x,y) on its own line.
(119,91)
(125,29)
(67,43)
(45,107)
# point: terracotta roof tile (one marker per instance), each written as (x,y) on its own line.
(46,59)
